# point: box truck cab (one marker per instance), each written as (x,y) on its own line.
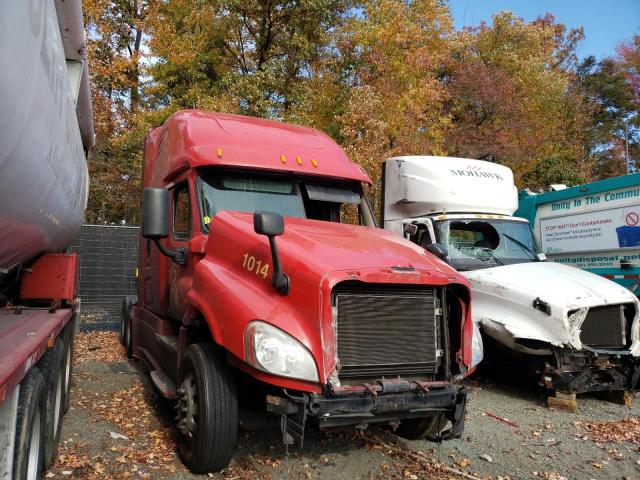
(265,285)
(581,330)
(594,226)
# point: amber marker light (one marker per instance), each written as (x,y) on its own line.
(283,159)
(219,153)
(314,162)
(299,160)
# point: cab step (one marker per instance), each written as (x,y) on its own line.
(163,383)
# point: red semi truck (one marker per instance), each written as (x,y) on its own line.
(264,284)
(45,132)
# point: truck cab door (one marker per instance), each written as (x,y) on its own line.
(179,276)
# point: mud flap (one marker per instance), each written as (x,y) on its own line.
(456,417)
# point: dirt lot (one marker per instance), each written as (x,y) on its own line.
(118,428)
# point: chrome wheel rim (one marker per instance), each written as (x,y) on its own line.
(33,463)
(187,407)
(57,407)
(67,369)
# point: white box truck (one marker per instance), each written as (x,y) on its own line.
(581,331)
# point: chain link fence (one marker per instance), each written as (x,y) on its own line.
(108,258)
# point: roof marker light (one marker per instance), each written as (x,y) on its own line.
(299,160)
(314,162)
(283,159)
(219,153)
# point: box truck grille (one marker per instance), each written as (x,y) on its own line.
(386,331)
(606,327)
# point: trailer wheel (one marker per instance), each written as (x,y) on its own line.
(422,428)
(207,411)
(69,338)
(30,427)
(52,368)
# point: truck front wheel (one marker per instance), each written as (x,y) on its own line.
(422,428)
(207,410)
(29,446)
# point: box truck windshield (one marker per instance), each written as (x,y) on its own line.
(473,244)
(284,195)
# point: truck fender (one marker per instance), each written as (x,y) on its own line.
(199,307)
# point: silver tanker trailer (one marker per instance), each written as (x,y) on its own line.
(46,129)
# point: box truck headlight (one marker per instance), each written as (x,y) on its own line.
(270,349)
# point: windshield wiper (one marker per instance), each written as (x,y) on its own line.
(490,252)
(521,245)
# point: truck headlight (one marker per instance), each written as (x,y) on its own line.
(269,349)
(477,348)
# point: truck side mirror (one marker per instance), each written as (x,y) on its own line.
(438,250)
(268,223)
(155,221)
(272,225)
(155,213)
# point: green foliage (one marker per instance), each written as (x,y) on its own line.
(553,170)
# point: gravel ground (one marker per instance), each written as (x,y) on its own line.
(118,428)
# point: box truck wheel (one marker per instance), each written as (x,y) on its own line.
(30,426)
(207,410)
(69,337)
(52,368)
(422,428)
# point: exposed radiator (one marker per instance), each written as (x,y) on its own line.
(387,330)
(605,327)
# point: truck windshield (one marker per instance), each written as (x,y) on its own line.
(290,197)
(475,243)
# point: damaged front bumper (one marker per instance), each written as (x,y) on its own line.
(383,402)
(581,371)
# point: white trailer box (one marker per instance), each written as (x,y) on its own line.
(583,331)
(419,185)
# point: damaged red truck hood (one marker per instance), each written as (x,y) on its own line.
(316,255)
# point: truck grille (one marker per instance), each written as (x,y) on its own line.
(606,327)
(386,331)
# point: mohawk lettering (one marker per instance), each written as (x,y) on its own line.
(475,173)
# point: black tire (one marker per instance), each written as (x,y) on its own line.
(422,428)
(69,338)
(126,324)
(30,427)
(125,316)
(128,336)
(207,440)
(52,368)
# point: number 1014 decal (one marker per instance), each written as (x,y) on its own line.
(255,266)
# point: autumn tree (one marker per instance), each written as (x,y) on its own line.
(115,31)
(512,100)
(613,92)
(387,78)
(246,56)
